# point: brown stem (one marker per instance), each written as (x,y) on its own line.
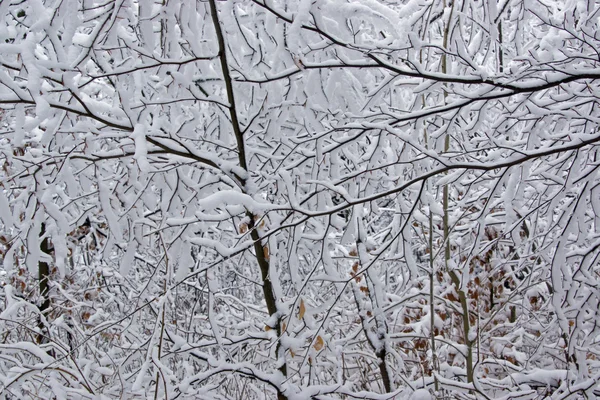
(43,276)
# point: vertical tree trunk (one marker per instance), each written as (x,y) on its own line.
(259,249)
(446,226)
(43,277)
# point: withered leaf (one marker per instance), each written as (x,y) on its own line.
(301,309)
(319,343)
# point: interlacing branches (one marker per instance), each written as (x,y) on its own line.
(260,199)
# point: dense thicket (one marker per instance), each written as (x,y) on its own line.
(300,199)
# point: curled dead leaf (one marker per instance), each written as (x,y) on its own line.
(319,343)
(261,221)
(301,309)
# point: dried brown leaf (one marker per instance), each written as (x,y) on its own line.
(319,343)
(301,309)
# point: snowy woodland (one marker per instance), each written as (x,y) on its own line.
(299,199)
